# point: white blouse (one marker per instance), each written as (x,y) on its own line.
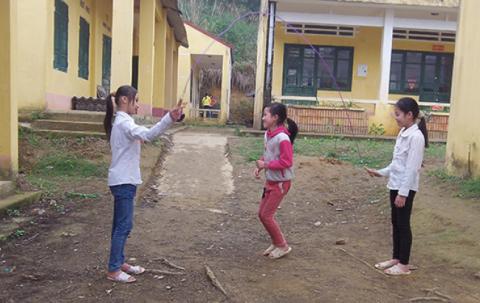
(125,142)
(404,171)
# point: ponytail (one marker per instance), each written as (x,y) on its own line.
(107,122)
(422,125)
(407,105)
(292,129)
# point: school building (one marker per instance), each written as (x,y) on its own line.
(68,48)
(54,50)
(206,52)
(341,65)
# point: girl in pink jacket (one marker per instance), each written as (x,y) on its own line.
(277,161)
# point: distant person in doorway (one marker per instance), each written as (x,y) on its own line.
(207,104)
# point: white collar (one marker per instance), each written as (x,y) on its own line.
(405,132)
(124,115)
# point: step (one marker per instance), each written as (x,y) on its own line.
(6,188)
(74,115)
(69,133)
(68,125)
(17,200)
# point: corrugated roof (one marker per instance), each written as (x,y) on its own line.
(175,21)
(433,3)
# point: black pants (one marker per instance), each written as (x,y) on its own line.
(402,233)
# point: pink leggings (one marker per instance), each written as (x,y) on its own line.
(272,197)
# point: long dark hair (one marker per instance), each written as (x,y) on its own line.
(123,91)
(280,110)
(407,105)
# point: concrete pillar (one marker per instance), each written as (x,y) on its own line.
(169,70)
(386,56)
(122,42)
(8,101)
(261,59)
(463,145)
(146,63)
(160,57)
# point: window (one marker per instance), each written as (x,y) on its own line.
(308,69)
(406,34)
(428,75)
(326,30)
(83,49)
(60,60)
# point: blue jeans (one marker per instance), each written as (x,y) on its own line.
(124,196)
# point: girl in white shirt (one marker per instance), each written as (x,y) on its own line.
(125,139)
(403,174)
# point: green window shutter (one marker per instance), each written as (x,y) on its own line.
(106,61)
(60,60)
(83,49)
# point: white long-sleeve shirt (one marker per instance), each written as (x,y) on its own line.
(125,143)
(404,171)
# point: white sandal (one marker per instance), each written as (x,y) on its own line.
(269,250)
(277,253)
(122,277)
(135,270)
(386,264)
(396,271)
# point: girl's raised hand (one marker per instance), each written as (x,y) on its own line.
(176,112)
(372,172)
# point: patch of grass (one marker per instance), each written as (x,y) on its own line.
(27,134)
(47,186)
(81,195)
(67,165)
(369,152)
(13,212)
(18,233)
(466,188)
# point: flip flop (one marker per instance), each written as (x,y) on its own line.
(386,264)
(269,250)
(278,253)
(135,270)
(122,277)
(396,271)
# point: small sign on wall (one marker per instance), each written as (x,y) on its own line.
(362,70)
(438,47)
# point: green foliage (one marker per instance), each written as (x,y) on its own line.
(26,133)
(216,15)
(67,165)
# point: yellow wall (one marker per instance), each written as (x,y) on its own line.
(40,85)
(202,44)
(32,35)
(8,102)
(463,148)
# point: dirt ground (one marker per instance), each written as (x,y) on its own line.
(199,208)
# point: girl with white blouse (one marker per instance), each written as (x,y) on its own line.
(403,173)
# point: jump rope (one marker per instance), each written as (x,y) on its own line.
(307,41)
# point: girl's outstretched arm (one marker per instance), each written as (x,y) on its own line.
(138,132)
